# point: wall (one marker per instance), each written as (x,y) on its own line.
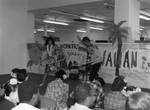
(13,34)
(70,35)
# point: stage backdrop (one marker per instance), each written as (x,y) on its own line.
(135,64)
(73,58)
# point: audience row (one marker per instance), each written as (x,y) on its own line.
(19,93)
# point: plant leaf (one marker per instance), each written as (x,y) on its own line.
(120,23)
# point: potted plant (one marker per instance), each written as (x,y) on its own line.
(143,33)
(116,35)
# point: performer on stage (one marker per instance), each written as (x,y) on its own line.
(49,60)
(93,55)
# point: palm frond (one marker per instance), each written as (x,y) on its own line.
(123,30)
(120,23)
(114,39)
(123,36)
(111,35)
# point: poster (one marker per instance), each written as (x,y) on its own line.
(73,57)
(135,64)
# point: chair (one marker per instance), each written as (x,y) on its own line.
(47,103)
(83,73)
(74,73)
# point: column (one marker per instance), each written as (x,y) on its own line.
(30,37)
(128,10)
(45,29)
(88,29)
(13,34)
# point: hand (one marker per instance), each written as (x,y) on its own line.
(78,38)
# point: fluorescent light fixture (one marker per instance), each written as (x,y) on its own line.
(96,28)
(140,29)
(93,20)
(48,30)
(144,17)
(55,22)
(145,13)
(81,31)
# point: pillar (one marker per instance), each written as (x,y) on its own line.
(13,35)
(88,29)
(45,29)
(128,10)
(30,37)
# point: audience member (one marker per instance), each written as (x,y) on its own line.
(115,99)
(138,101)
(11,91)
(11,86)
(84,96)
(20,74)
(99,83)
(28,95)
(58,90)
(4,103)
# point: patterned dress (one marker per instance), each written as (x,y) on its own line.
(58,91)
(114,100)
(100,95)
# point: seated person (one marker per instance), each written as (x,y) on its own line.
(11,86)
(84,96)
(28,95)
(11,91)
(20,74)
(4,103)
(99,83)
(115,99)
(58,90)
(138,101)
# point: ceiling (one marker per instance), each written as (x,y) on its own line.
(103,9)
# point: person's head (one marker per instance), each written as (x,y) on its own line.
(28,92)
(118,83)
(61,74)
(85,94)
(22,75)
(100,80)
(14,72)
(86,41)
(138,101)
(49,41)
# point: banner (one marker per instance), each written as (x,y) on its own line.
(135,64)
(73,57)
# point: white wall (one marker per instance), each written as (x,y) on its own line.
(13,34)
(70,35)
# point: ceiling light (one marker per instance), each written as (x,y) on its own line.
(93,20)
(48,30)
(144,17)
(140,29)
(81,31)
(145,13)
(96,28)
(55,22)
